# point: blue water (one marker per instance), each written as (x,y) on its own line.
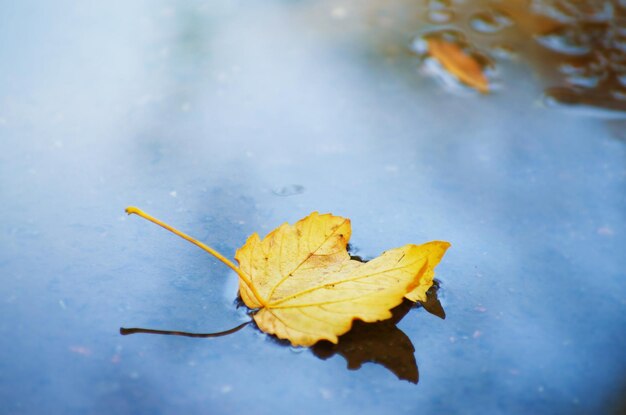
(209,116)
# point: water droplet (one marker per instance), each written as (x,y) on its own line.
(579,10)
(567,40)
(619,94)
(617,61)
(490,22)
(326,393)
(587,74)
(619,43)
(595,104)
(584,81)
(289,190)
(440,16)
(502,51)
(559,11)
(570,68)
(594,11)
(439,4)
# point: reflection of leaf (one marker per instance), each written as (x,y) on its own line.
(432,304)
(305,287)
(135,330)
(459,63)
(381,342)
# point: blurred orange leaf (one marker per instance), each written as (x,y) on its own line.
(459,63)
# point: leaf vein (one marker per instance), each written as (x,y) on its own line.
(318,287)
(311,253)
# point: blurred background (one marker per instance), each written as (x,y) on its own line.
(499,126)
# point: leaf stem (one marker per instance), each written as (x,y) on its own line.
(134,210)
(125,332)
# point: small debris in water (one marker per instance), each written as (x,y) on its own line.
(290,190)
(327,394)
(605,231)
(82,350)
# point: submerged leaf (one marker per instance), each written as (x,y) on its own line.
(459,63)
(304,286)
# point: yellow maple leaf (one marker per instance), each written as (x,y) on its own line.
(304,286)
(459,63)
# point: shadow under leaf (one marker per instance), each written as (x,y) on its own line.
(382,342)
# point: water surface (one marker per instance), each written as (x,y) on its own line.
(226,119)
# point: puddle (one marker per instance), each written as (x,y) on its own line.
(496,125)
